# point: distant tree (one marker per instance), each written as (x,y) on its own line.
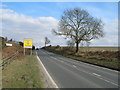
(50,46)
(6,39)
(11,40)
(71,43)
(33,47)
(21,43)
(47,41)
(79,25)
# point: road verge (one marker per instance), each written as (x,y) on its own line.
(22,73)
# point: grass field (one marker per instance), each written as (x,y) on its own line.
(22,73)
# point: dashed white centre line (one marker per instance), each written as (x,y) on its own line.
(74,66)
(96,74)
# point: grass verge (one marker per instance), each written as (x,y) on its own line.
(104,63)
(23,73)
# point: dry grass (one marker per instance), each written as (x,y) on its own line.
(22,73)
(101,53)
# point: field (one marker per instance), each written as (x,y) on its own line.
(98,49)
(102,56)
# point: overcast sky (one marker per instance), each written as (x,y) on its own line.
(37,19)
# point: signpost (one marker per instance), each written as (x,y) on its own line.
(28,44)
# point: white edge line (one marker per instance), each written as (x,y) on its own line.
(47,72)
(109,82)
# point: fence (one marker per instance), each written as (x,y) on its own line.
(7,60)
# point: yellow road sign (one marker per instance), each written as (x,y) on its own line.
(27,43)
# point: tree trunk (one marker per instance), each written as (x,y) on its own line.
(77,47)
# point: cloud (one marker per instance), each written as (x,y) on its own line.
(19,26)
(6,11)
(3,5)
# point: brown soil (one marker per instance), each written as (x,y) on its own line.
(8,51)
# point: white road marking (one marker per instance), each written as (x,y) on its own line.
(92,73)
(96,74)
(55,85)
(109,82)
(74,66)
(53,57)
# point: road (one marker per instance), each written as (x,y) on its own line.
(68,73)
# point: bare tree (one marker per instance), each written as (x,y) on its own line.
(47,41)
(79,25)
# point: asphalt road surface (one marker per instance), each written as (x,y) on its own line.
(69,73)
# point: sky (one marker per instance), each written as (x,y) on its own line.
(37,19)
